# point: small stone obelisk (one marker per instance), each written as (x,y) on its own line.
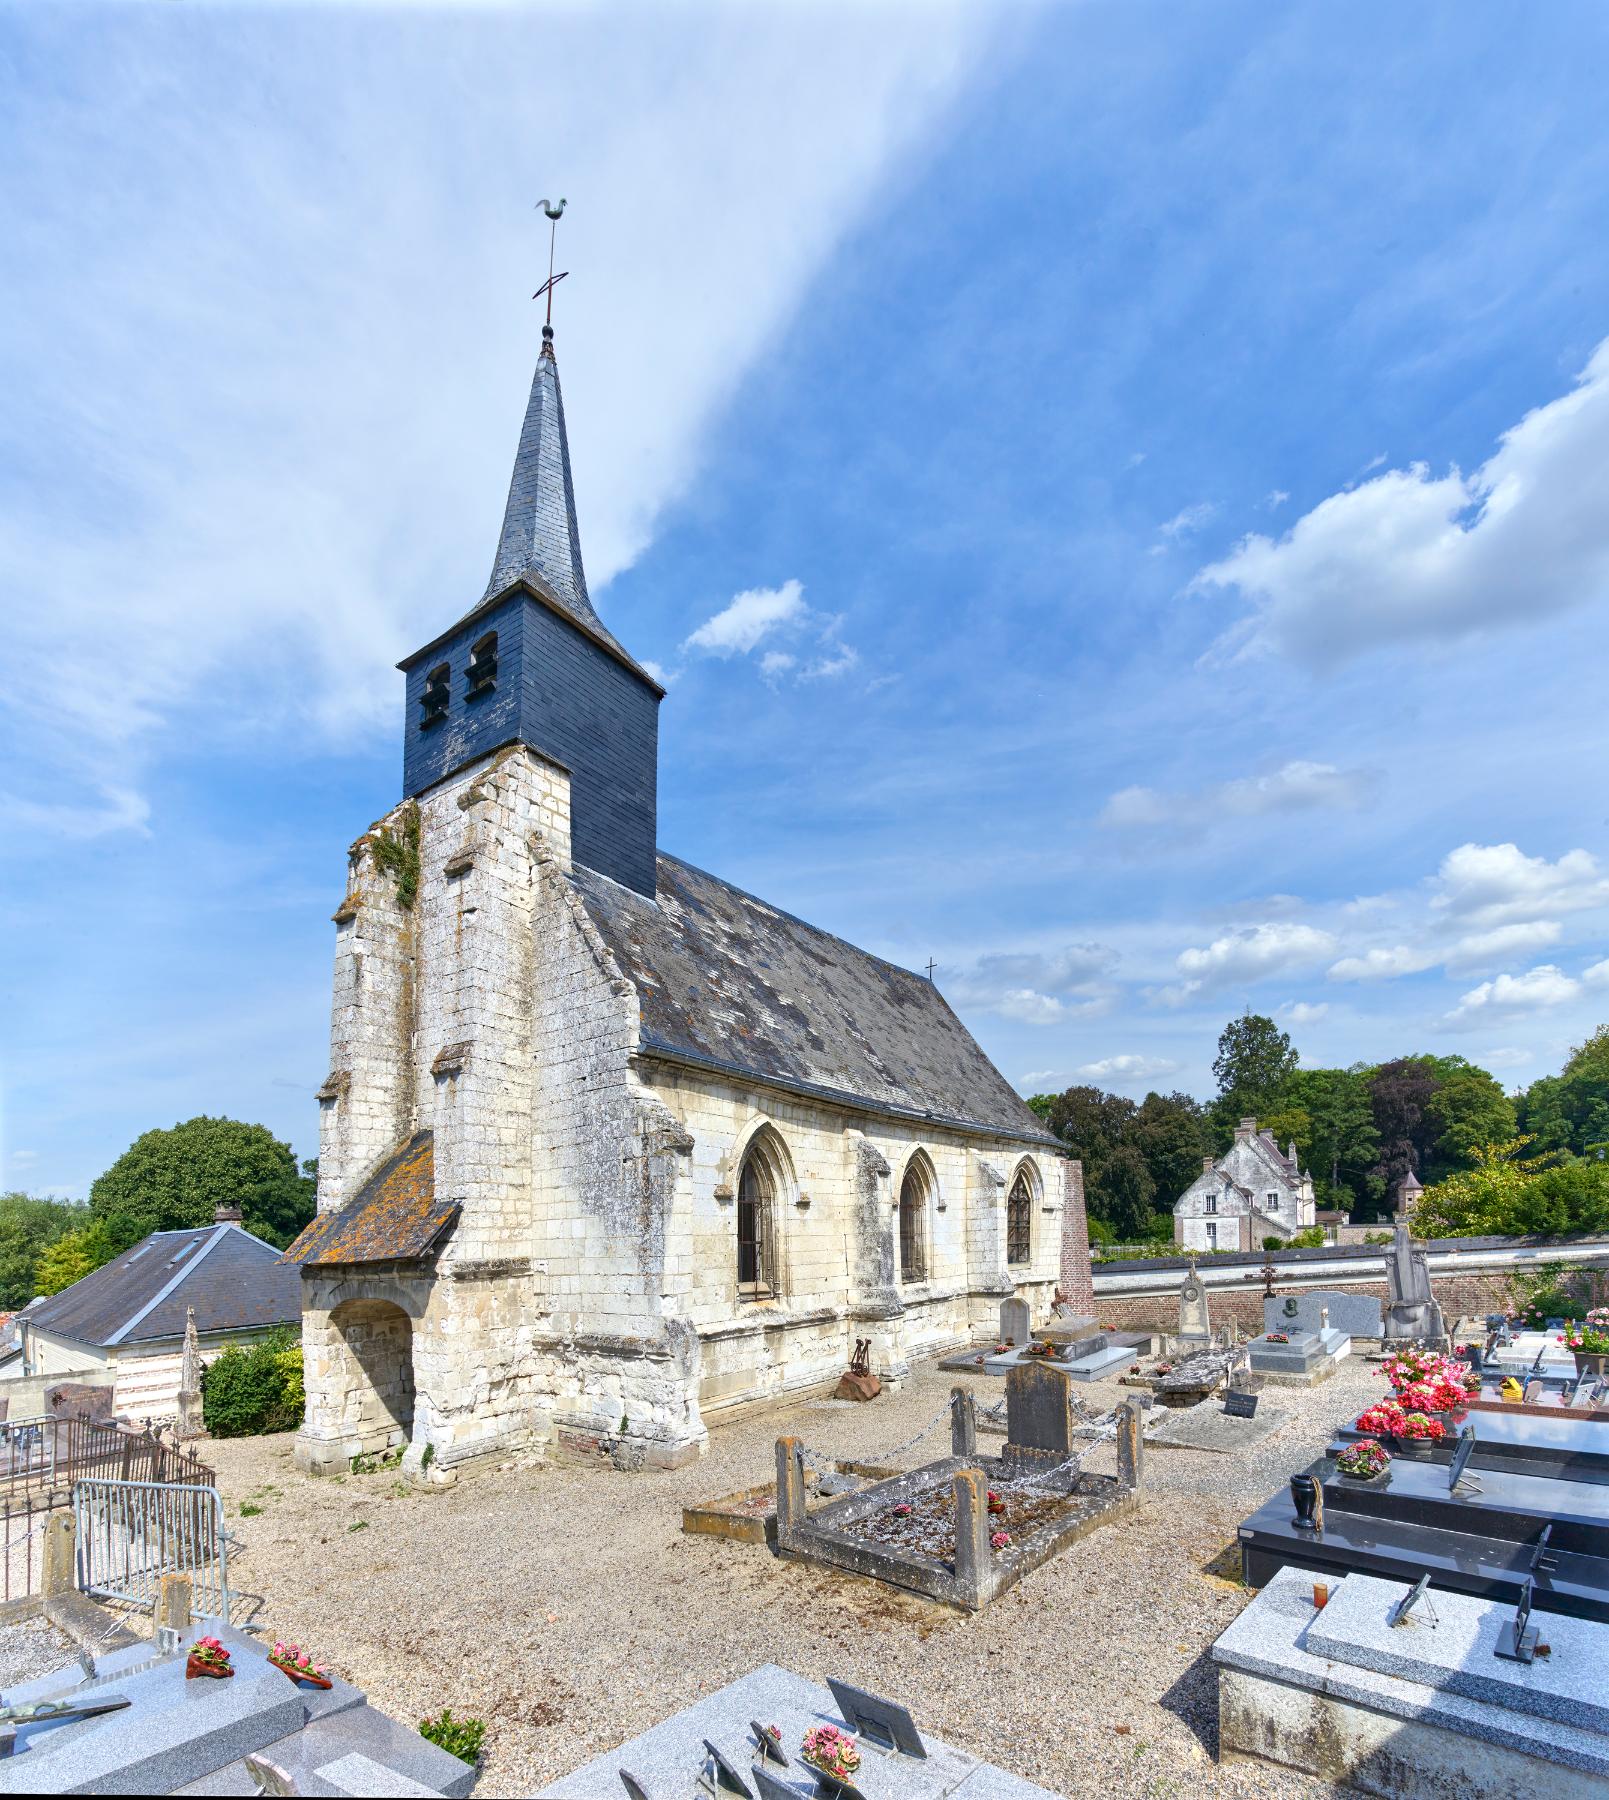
(189,1424)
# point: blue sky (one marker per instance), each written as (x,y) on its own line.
(1117,493)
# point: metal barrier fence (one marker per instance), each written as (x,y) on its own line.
(51,1452)
(132,1533)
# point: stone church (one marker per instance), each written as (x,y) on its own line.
(608,1146)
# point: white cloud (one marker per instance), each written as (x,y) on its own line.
(837,662)
(1496,884)
(115,809)
(775,663)
(1187,521)
(1303,1012)
(1382,964)
(1597,975)
(657,671)
(1037,987)
(1127,1067)
(1515,995)
(1294,787)
(256,450)
(1504,1057)
(1408,555)
(748,618)
(1276,499)
(1254,952)
(1503,943)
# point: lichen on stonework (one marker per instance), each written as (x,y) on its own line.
(397,852)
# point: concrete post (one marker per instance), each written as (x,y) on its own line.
(973,1558)
(1130,1443)
(58,1570)
(174,1596)
(963,1423)
(790,1487)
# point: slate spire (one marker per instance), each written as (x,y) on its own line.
(540,539)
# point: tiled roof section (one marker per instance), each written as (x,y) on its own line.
(730,982)
(394,1217)
(541,540)
(235,1282)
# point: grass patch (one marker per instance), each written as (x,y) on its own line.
(458,1737)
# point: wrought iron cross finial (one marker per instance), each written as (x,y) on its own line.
(555,211)
(931,966)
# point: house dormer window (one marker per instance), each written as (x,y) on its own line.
(434,701)
(480,676)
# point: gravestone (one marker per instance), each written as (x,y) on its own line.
(1356,1315)
(1039,1418)
(1195,1324)
(1016,1321)
(1411,1309)
(1240,1403)
(1130,1443)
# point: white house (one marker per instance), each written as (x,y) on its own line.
(1254,1190)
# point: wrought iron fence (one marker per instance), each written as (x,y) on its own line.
(22,1526)
(132,1533)
(48,1452)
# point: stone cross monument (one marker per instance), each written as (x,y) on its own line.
(188,1424)
(1195,1326)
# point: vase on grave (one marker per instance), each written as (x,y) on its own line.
(1304,1496)
(1586,1363)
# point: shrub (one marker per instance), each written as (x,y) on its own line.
(250,1389)
(458,1737)
(1273,1243)
(1310,1239)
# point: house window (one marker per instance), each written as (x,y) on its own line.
(1020,1216)
(480,676)
(763,1183)
(1212,1237)
(1212,1203)
(437,695)
(914,1193)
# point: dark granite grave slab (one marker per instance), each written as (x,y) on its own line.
(1510,1506)
(1558,1448)
(1456,1560)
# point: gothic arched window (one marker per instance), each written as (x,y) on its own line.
(915,1191)
(1020,1216)
(481,673)
(436,698)
(761,1184)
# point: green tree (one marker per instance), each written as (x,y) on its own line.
(1468,1109)
(1254,1062)
(1171,1132)
(1342,1144)
(1506,1193)
(69,1259)
(1570,1110)
(1400,1092)
(28,1227)
(171,1180)
(1127,1192)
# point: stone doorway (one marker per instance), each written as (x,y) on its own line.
(372,1347)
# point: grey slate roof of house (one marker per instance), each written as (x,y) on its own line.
(731,983)
(234,1281)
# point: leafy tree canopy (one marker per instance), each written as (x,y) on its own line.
(28,1228)
(1254,1062)
(171,1180)
(1508,1192)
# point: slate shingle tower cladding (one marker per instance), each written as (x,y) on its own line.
(565,685)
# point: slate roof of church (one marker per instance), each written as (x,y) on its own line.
(395,1216)
(234,1280)
(729,983)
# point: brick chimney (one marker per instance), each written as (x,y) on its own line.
(1245,1131)
(225,1213)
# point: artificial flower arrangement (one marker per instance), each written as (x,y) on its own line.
(1421,1425)
(1000,1541)
(832,1751)
(294,1661)
(996,1504)
(1041,1349)
(1433,1396)
(1277,1337)
(1409,1367)
(1363,1460)
(208,1657)
(1383,1419)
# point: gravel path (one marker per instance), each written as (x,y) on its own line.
(30,1650)
(565,1606)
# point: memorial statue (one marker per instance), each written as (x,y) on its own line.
(1411,1309)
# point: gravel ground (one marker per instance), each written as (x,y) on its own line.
(565,1606)
(30,1650)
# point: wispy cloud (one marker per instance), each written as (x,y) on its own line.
(747,619)
(1294,787)
(1413,556)
(1515,995)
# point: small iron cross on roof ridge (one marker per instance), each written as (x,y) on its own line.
(555,211)
(931,966)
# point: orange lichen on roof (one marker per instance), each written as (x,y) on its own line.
(394,1217)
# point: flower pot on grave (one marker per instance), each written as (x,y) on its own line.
(310,1677)
(195,1669)
(1587,1364)
(1361,1480)
(1412,1447)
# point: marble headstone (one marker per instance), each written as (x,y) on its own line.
(1016,1321)
(1357,1315)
